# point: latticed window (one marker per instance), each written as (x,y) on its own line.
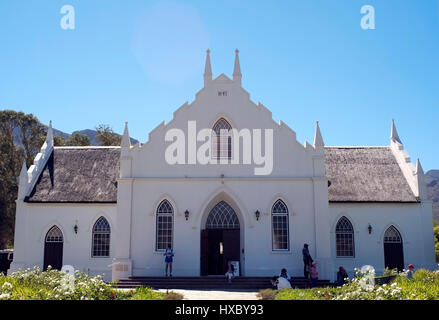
(222,216)
(222,140)
(164,225)
(344,238)
(101,238)
(392,235)
(280,228)
(54,235)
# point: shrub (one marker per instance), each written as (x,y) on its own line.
(173,296)
(267,294)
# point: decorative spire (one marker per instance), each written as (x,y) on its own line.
(23,182)
(419,169)
(49,137)
(420,179)
(318,140)
(126,141)
(237,76)
(23,173)
(207,69)
(394,134)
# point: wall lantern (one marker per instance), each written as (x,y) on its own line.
(186,214)
(369,228)
(257,214)
(75,228)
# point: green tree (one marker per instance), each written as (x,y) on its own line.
(106,136)
(20,136)
(78,139)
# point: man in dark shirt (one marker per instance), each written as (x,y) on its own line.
(306,260)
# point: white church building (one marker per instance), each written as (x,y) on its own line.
(222,181)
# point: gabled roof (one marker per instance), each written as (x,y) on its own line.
(78,175)
(88,175)
(365,174)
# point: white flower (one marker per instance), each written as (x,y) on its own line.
(5,296)
(7,286)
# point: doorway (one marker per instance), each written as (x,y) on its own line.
(220,240)
(53,249)
(393,249)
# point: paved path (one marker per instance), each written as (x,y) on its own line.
(215,295)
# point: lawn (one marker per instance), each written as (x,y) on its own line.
(423,286)
(56,285)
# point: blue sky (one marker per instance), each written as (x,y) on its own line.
(310,60)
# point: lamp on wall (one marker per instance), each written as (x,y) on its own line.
(75,228)
(369,228)
(257,214)
(186,214)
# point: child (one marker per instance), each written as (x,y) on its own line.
(409,272)
(230,271)
(313,274)
(168,260)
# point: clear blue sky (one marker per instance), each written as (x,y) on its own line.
(310,60)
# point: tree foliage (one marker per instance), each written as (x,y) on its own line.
(20,136)
(106,136)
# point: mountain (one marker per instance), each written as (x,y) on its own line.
(91,134)
(432,180)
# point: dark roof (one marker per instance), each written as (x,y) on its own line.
(79,175)
(365,174)
(88,175)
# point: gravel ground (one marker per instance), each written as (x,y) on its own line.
(216,295)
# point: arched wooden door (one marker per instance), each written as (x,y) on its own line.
(53,249)
(393,249)
(220,241)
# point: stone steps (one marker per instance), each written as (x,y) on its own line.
(209,283)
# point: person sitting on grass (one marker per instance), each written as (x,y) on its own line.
(342,275)
(280,283)
(410,272)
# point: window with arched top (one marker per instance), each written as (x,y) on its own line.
(344,238)
(222,140)
(392,235)
(54,235)
(222,216)
(101,238)
(280,227)
(164,225)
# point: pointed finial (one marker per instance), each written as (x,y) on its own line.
(126,141)
(237,76)
(318,140)
(49,137)
(394,134)
(419,169)
(23,182)
(207,69)
(23,173)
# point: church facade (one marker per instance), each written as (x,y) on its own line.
(222,181)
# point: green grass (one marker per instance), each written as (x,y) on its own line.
(56,285)
(423,286)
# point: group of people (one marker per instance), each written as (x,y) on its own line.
(283,279)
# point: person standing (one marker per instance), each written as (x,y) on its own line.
(169,254)
(307,260)
(313,274)
(341,276)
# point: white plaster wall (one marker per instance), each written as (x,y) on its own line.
(77,247)
(246,197)
(369,248)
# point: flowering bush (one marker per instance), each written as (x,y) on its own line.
(423,286)
(34,284)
